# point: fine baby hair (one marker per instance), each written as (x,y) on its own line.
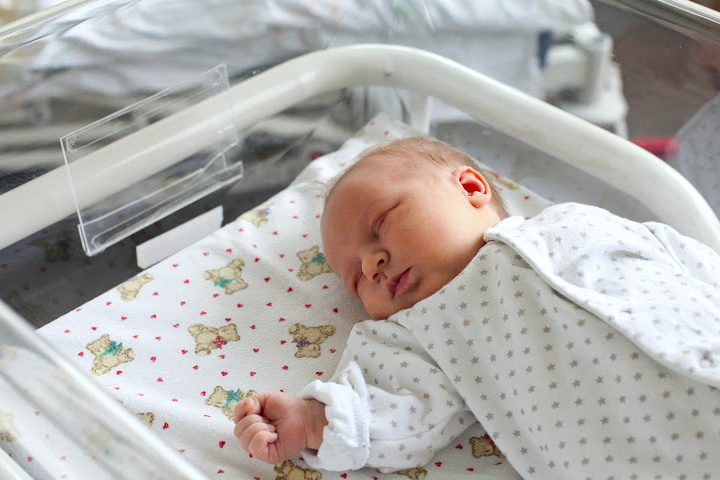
(418,150)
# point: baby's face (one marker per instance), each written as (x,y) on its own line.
(397,232)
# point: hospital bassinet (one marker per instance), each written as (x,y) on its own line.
(183,91)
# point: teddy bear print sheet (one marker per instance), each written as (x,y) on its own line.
(252,307)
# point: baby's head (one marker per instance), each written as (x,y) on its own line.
(405,220)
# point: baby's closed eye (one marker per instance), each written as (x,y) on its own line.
(377,225)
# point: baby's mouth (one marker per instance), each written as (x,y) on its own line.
(398,283)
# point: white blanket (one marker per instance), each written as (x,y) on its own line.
(586,345)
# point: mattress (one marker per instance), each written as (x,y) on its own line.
(252,307)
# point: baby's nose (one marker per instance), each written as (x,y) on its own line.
(372,265)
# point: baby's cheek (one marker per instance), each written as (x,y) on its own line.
(431,284)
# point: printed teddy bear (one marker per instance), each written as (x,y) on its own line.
(130,289)
(210,338)
(484,447)
(313,264)
(257,217)
(227,399)
(108,354)
(57,246)
(228,277)
(308,339)
(415,473)
(8,431)
(147,418)
(289,471)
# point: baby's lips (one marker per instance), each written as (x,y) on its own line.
(392,283)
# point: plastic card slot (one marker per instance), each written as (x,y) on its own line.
(117,186)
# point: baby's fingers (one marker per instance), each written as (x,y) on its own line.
(249,425)
(246,407)
(252,405)
(254,436)
(259,446)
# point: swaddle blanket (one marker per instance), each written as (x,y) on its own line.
(604,352)
(253,307)
(588,346)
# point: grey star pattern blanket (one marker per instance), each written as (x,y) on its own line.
(587,345)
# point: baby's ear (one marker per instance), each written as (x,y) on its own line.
(476,187)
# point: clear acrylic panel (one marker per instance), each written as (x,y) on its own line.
(143,190)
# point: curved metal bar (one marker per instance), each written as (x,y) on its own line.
(629,168)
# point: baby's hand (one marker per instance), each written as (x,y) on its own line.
(275,426)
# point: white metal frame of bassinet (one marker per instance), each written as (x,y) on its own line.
(125,424)
(48,199)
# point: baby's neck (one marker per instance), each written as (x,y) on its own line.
(488,219)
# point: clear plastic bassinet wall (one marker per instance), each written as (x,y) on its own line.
(85,73)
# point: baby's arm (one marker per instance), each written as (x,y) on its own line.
(275,426)
(388,406)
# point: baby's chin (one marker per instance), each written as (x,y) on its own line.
(390,310)
(420,290)
(383,314)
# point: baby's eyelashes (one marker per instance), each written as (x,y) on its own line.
(376,228)
(379,222)
(358,277)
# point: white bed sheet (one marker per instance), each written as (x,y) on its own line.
(180,343)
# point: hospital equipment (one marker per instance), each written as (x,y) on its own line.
(103,75)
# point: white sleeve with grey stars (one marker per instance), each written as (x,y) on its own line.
(388,405)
